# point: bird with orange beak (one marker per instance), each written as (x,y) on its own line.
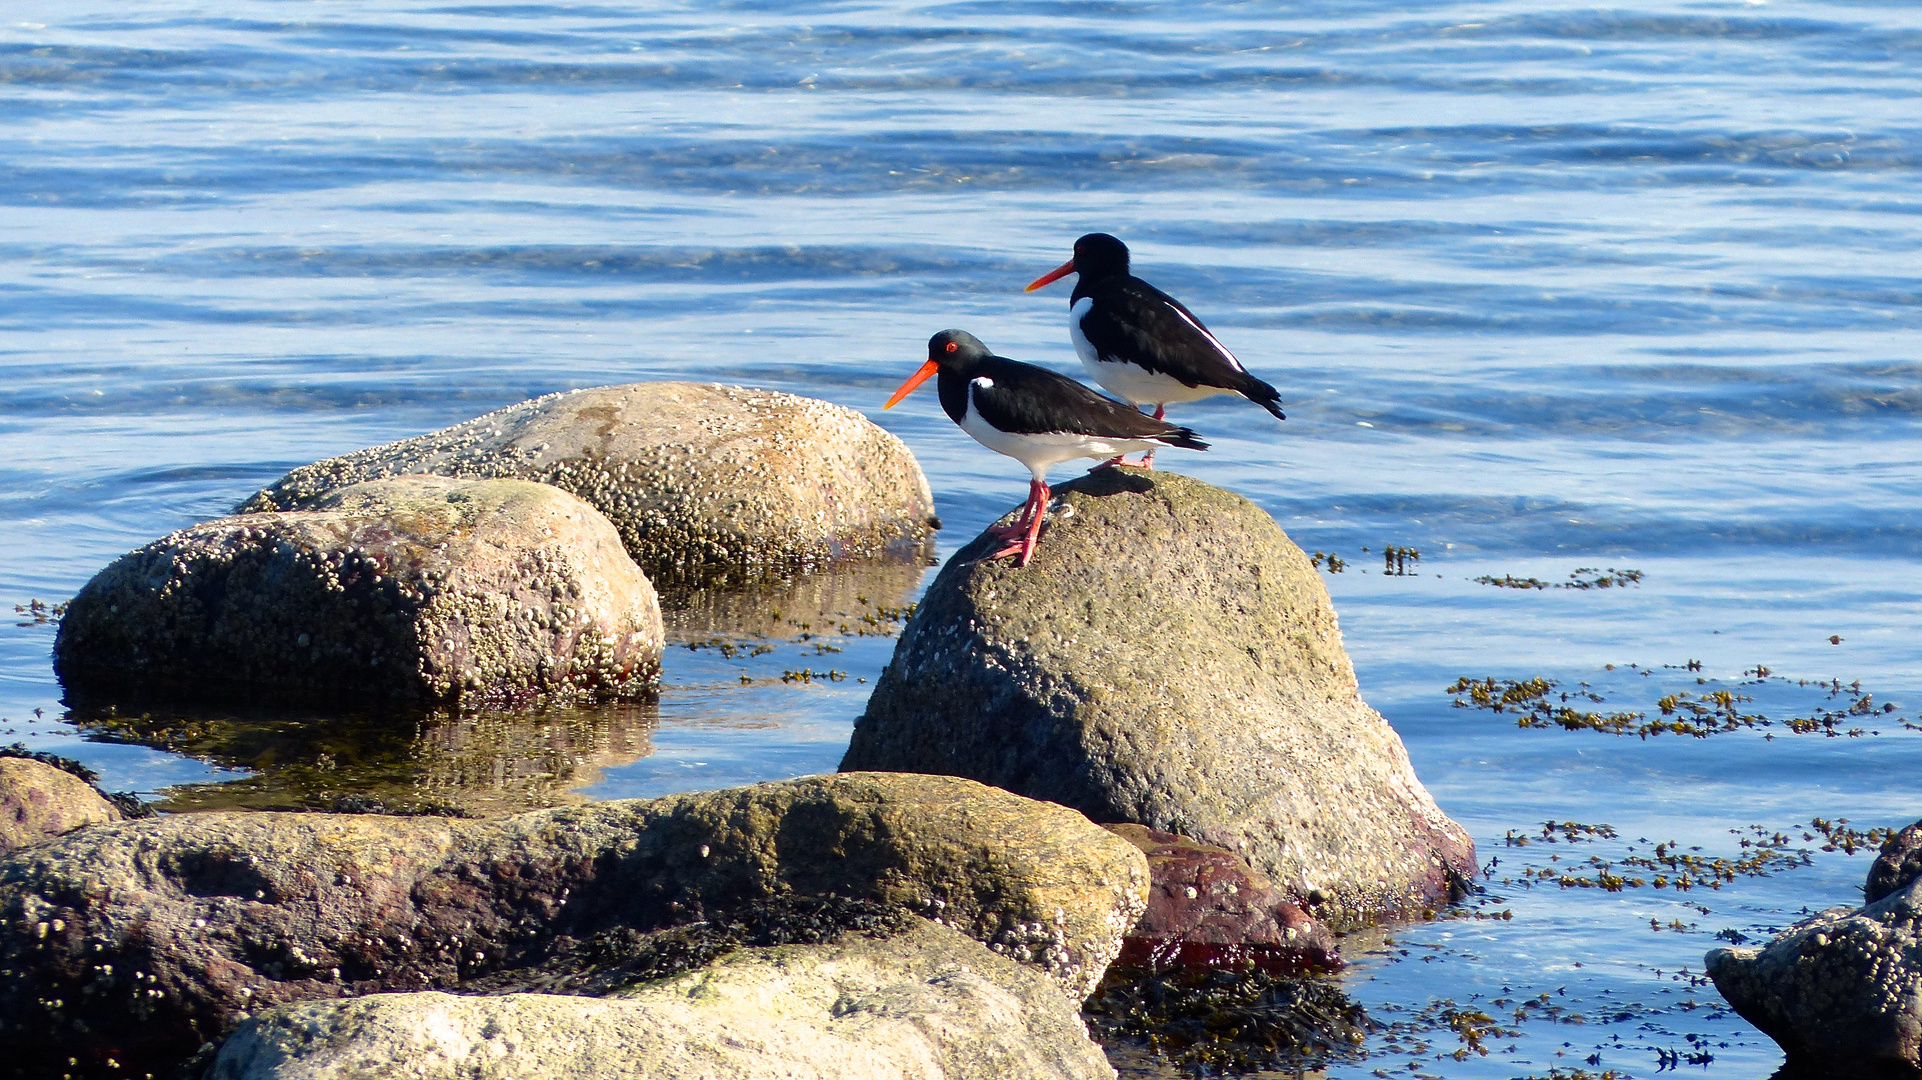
(1034,416)
(1139,343)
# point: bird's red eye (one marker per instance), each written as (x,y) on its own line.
(953,345)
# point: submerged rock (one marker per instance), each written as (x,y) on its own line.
(707,484)
(1169,659)
(138,942)
(926,1003)
(39,801)
(1208,908)
(1841,991)
(417,588)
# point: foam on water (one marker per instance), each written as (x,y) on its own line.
(1544,286)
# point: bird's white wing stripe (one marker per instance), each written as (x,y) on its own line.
(1212,340)
(983,382)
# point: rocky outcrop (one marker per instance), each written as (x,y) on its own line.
(926,1003)
(707,484)
(416,588)
(1208,908)
(1169,659)
(138,942)
(39,801)
(1841,992)
(1898,863)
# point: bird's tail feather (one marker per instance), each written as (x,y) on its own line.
(1184,438)
(1263,395)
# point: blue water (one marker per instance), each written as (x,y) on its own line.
(1544,286)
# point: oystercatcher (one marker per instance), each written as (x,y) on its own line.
(1034,416)
(1139,343)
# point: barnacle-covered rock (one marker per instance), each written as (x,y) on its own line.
(132,944)
(707,484)
(1170,659)
(1841,991)
(925,1003)
(419,588)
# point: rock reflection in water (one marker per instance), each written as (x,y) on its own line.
(860,599)
(471,764)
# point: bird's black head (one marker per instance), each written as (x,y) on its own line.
(1098,255)
(954,347)
(952,351)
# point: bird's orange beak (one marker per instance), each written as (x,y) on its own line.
(1055,274)
(927,371)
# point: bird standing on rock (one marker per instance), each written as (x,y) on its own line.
(1034,416)
(1139,343)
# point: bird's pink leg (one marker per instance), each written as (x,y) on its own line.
(1148,459)
(1020,524)
(1031,517)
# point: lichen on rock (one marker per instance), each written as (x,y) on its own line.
(1170,659)
(418,588)
(706,484)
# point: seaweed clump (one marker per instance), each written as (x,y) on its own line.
(1208,1021)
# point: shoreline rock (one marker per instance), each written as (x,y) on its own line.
(928,1002)
(39,801)
(1208,908)
(139,942)
(1841,991)
(417,588)
(707,485)
(1169,659)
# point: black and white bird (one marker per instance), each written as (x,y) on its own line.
(1034,416)
(1139,343)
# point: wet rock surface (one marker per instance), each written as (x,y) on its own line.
(131,945)
(419,588)
(1170,659)
(1208,908)
(1840,992)
(927,1002)
(707,484)
(1898,863)
(39,801)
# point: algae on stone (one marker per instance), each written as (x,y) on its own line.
(137,942)
(1171,659)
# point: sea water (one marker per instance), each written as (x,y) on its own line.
(1558,292)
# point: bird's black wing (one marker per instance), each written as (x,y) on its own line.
(1024,399)
(1134,322)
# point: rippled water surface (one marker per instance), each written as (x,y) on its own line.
(1545,287)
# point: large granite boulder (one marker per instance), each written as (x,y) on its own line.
(417,588)
(927,1003)
(1170,659)
(39,801)
(138,942)
(1841,991)
(707,484)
